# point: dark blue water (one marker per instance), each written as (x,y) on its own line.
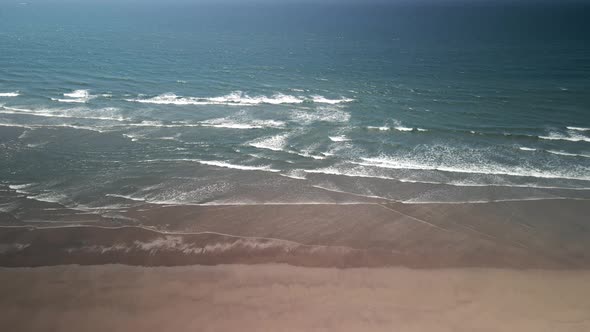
(110,105)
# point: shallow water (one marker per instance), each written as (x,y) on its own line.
(116,106)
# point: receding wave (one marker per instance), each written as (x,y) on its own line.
(234,166)
(236,98)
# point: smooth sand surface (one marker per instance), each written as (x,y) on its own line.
(287,298)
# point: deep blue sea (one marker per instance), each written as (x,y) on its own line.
(106,106)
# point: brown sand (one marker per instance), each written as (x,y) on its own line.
(550,234)
(286,298)
(511,266)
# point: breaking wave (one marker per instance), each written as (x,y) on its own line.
(237,98)
(77,96)
(274,143)
(340,138)
(322,114)
(578,128)
(561,137)
(473,168)
(242,124)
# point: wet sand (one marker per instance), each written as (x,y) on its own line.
(550,234)
(287,298)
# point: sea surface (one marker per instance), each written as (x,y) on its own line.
(106,106)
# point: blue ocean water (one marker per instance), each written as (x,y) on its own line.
(110,105)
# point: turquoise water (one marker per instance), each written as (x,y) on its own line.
(115,105)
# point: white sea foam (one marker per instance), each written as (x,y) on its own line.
(275,143)
(561,153)
(324,100)
(475,168)
(20,188)
(366,173)
(34,126)
(242,124)
(77,96)
(325,114)
(308,154)
(294,174)
(105,114)
(236,98)
(400,128)
(578,128)
(16,125)
(382,128)
(50,197)
(561,137)
(234,166)
(340,138)
(526,149)
(9,94)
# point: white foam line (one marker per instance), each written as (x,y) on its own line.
(340,138)
(236,98)
(233,166)
(16,125)
(218,164)
(338,173)
(9,94)
(372,162)
(63,116)
(566,138)
(561,153)
(36,126)
(578,128)
(497,200)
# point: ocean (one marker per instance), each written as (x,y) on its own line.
(105,106)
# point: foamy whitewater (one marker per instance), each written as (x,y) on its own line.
(300,104)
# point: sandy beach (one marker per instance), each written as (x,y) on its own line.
(506,266)
(287,298)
